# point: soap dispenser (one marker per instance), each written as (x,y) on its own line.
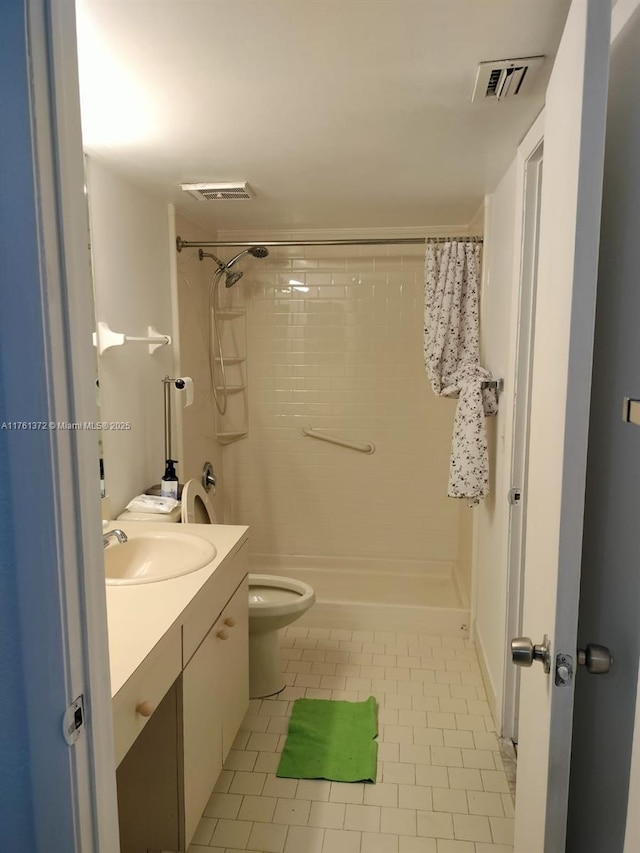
(169,482)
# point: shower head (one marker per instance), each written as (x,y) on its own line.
(254,251)
(232,277)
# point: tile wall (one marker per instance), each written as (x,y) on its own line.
(335,342)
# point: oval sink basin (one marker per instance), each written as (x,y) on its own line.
(151,557)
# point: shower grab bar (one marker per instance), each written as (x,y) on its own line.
(368,447)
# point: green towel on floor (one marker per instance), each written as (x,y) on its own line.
(331,739)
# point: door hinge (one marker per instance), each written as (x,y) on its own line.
(564,671)
(73,721)
(514,496)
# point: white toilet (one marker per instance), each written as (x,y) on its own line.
(274,602)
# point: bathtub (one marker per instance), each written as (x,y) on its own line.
(361,594)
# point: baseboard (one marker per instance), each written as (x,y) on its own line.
(382,617)
(492,698)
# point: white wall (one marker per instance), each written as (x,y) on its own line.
(492,516)
(130,244)
(343,354)
(198,425)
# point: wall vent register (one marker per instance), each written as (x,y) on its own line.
(225,191)
(505,78)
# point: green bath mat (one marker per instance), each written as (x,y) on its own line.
(331,739)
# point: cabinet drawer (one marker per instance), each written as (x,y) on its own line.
(138,697)
(210,601)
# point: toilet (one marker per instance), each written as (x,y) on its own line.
(274,602)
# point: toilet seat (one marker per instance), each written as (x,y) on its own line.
(275,596)
(196,506)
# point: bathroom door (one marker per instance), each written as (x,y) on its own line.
(560,392)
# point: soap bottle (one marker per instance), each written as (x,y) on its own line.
(169,483)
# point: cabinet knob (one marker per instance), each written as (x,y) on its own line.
(145,709)
(230,621)
(223,634)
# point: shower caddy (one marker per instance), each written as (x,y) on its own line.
(234,423)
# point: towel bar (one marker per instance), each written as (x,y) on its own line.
(497,384)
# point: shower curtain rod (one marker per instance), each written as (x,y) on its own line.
(392,241)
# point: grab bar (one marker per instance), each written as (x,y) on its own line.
(369,447)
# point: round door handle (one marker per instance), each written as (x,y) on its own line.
(145,708)
(223,634)
(524,652)
(595,658)
(230,621)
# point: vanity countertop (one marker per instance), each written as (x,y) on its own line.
(139,615)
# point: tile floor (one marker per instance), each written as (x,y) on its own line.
(441,786)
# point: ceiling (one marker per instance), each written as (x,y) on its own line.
(339,113)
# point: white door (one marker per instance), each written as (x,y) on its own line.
(565,305)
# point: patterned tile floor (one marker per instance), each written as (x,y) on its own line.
(441,787)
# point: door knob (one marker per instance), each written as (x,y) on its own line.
(597,659)
(523,652)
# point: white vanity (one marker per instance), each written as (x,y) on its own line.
(179,685)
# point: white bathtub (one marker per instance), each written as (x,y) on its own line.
(359,594)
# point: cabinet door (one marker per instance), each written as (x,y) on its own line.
(148,783)
(233,664)
(202,729)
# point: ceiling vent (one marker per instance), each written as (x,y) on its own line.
(229,191)
(506,78)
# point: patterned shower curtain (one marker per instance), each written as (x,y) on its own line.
(452,359)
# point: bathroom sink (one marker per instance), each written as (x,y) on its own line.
(149,557)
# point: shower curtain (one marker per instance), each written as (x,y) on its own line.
(452,360)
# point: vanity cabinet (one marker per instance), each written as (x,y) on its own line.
(215,696)
(177,716)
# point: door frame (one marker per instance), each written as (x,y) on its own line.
(52,484)
(527,209)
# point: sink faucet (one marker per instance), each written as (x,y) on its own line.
(118,534)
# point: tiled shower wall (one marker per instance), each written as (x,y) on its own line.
(335,342)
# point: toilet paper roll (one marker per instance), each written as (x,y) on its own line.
(185,383)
